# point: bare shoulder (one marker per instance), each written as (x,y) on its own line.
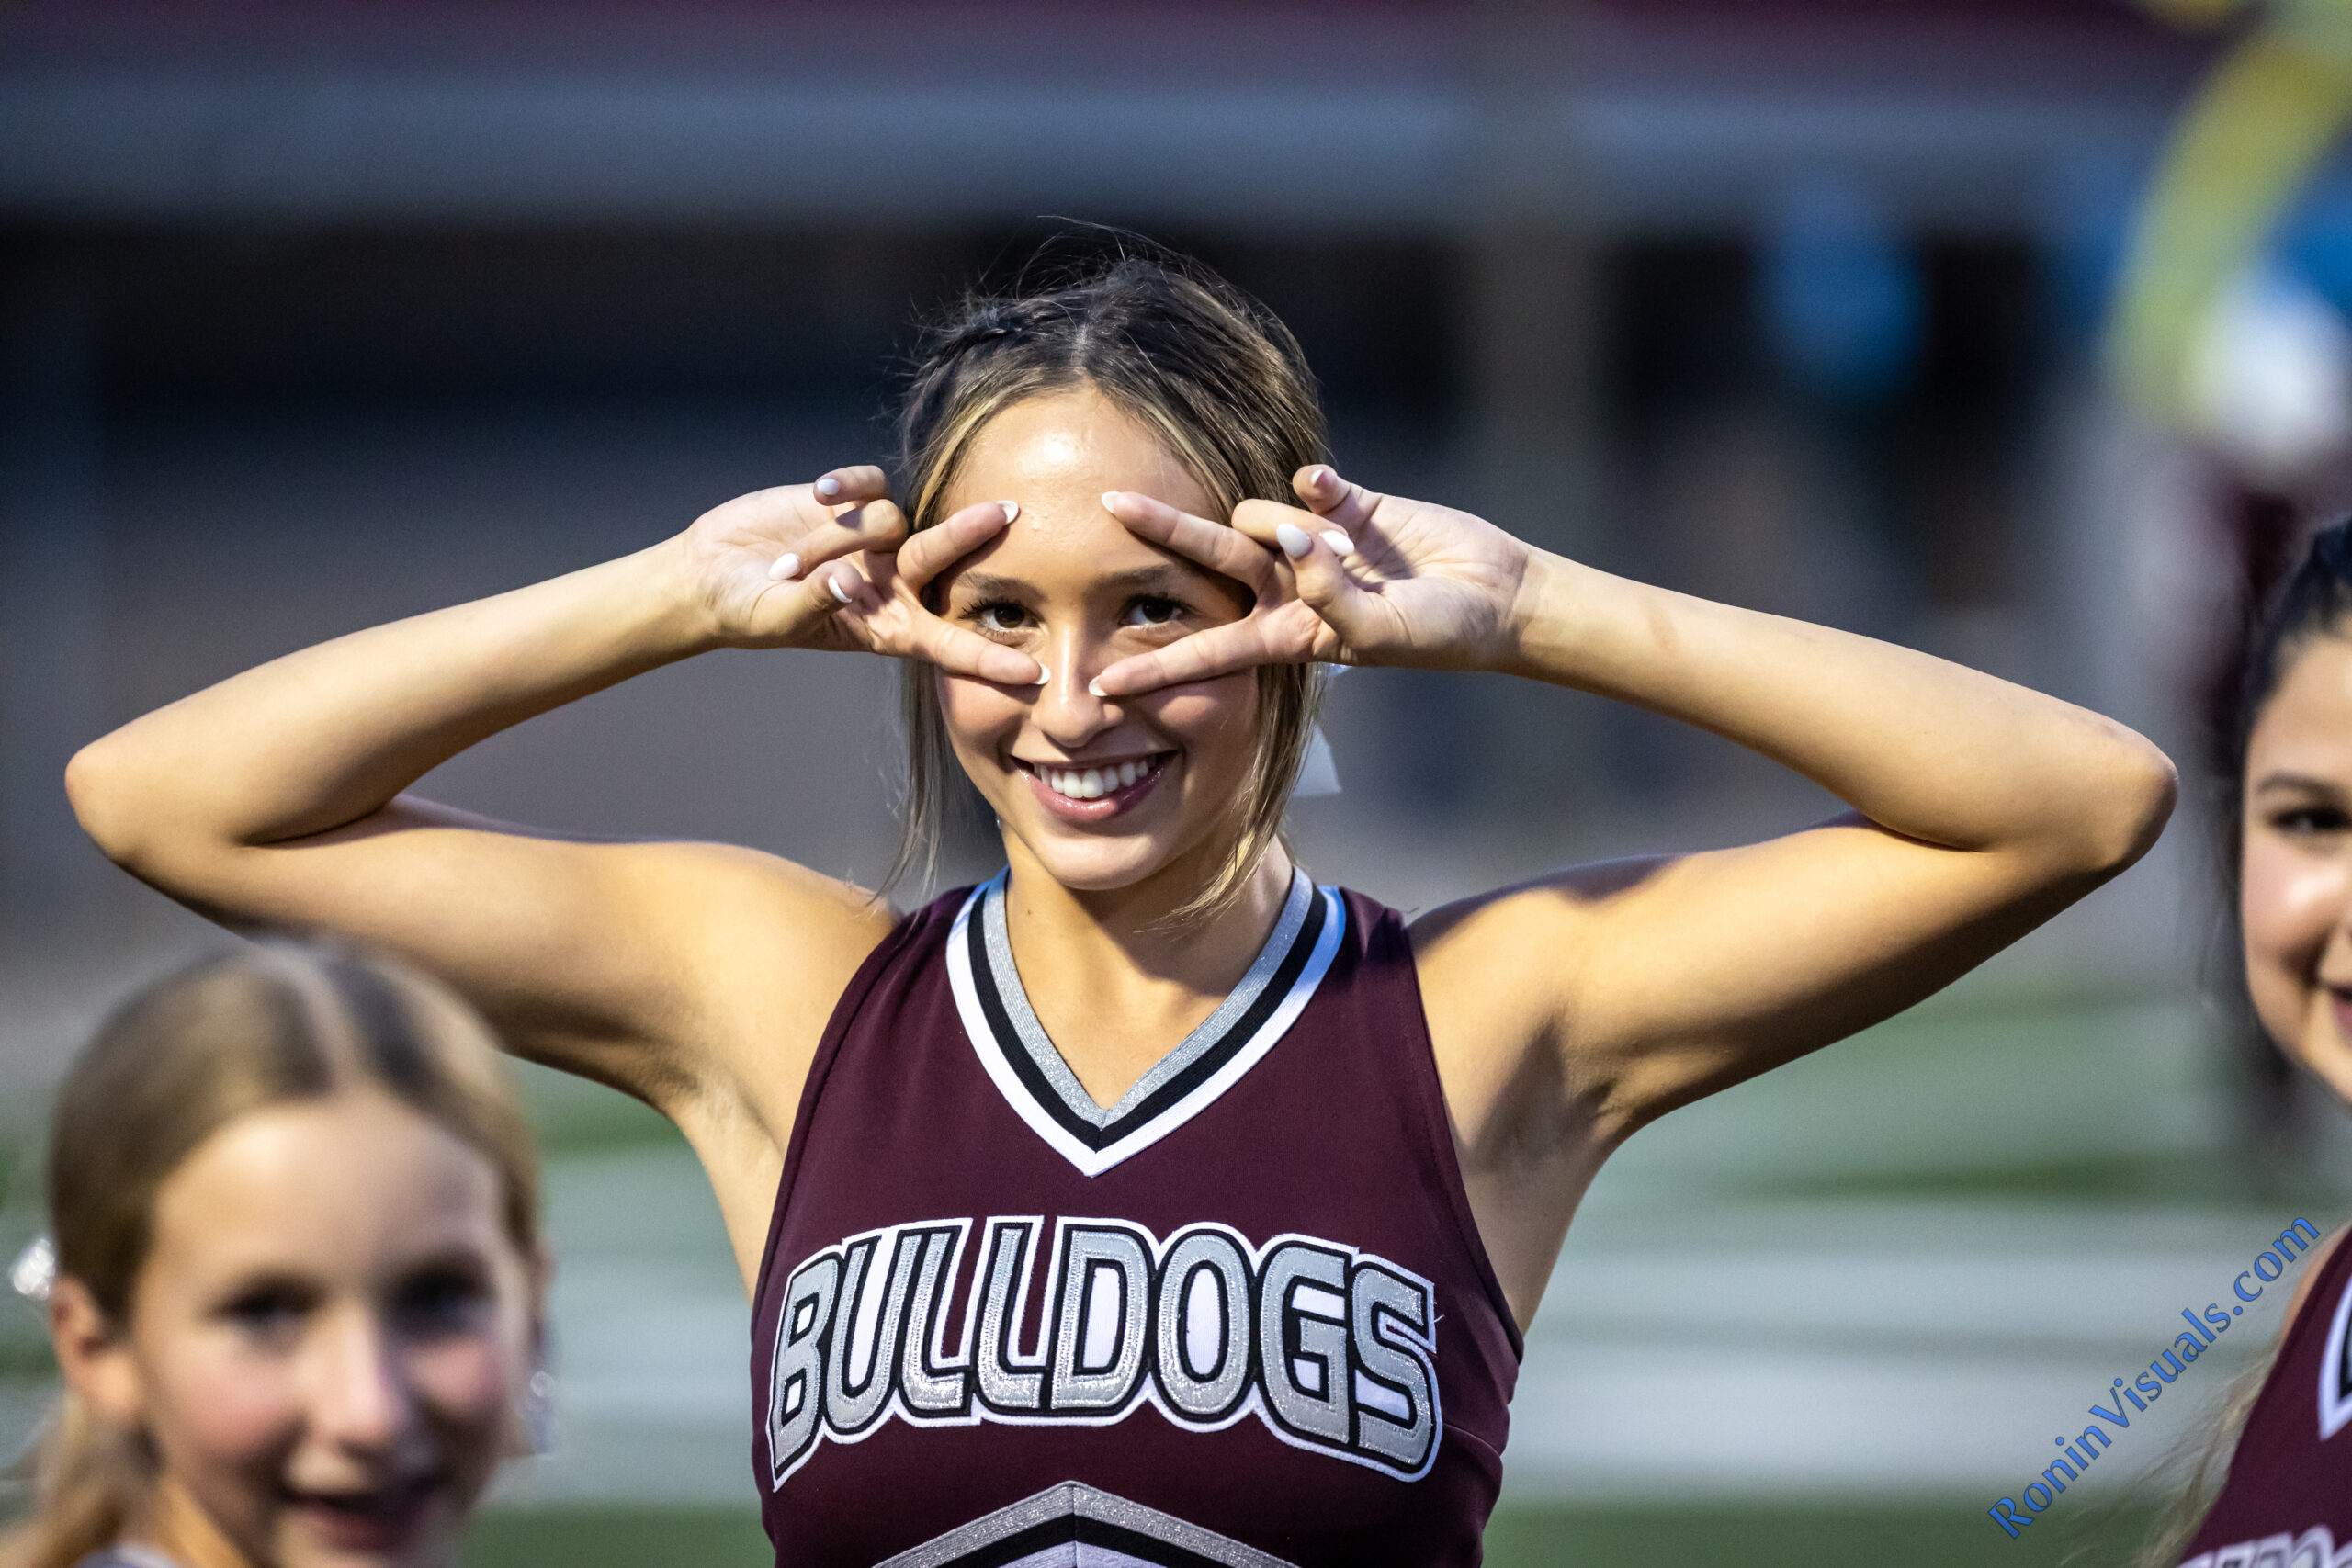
(761,950)
(765,948)
(1539,911)
(2316,1263)
(1500,971)
(696,976)
(1517,946)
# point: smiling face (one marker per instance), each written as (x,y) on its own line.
(328,1335)
(1099,794)
(2296,889)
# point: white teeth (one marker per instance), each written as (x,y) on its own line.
(1093,784)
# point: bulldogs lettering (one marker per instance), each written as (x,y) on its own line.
(1330,1348)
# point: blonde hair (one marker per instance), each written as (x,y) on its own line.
(1207,370)
(176,1064)
(2192,1475)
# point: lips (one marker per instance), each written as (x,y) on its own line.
(1089,792)
(373,1519)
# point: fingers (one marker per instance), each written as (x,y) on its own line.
(874,525)
(1318,554)
(1332,497)
(858,482)
(828,589)
(889,620)
(1213,545)
(1203,656)
(1291,531)
(956,536)
(962,652)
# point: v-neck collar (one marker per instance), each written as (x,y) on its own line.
(1038,1083)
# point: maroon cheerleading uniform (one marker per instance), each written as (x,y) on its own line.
(1240,1317)
(2287,1500)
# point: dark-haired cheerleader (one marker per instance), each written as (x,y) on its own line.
(2289,1482)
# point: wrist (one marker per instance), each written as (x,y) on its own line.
(682,619)
(1539,631)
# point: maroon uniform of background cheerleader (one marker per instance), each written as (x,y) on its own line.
(2288,1496)
(1242,1316)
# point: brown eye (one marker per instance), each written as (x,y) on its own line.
(1152,610)
(268,1313)
(997,617)
(2309,821)
(439,1301)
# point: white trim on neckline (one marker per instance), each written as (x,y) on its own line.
(1237,1059)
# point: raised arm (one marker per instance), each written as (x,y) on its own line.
(1569,1011)
(696,976)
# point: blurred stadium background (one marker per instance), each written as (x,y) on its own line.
(313,316)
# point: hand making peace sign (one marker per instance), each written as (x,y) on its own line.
(1353,578)
(772,571)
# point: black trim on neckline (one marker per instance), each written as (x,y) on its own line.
(1203,1066)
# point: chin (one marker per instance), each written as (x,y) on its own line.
(1095,866)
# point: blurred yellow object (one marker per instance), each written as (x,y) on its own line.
(2238,156)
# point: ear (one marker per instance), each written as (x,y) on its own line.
(94,1356)
(529,1426)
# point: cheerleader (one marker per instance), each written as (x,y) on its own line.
(1149,1194)
(2288,1484)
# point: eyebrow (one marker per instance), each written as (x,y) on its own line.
(1167,577)
(2303,782)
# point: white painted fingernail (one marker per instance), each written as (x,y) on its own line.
(838,592)
(1011,509)
(829,487)
(1094,688)
(1338,542)
(1109,501)
(786,567)
(1292,540)
(1043,676)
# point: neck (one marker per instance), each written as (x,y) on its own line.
(175,1525)
(1133,922)
(1117,984)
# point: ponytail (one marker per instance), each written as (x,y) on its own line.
(87,1480)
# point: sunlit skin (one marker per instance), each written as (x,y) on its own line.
(1112,614)
(1068,584)
(326,1344)
(2296,889)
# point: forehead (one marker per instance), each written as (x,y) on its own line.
(2306,726)
(321,1185)
(1056,454)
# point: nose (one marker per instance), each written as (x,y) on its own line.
(359,1395)
(1066,711)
